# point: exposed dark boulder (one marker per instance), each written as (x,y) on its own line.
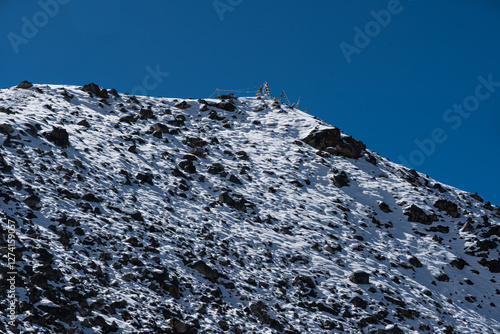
(359,302)
(195,142)
(384,207)
(206,270)
(187,166)
(417,215)
(234,179)
(32,201)
(224,198)
(345,146)
(493,230)
(443,278)
(113,92)
(180,327)
(178,121)
(84,122)
(137,216)
(360,277)
(161,128)
(439,228)
(66,313)
(6,128)
(449,207)
(215,168)
(229,96)
(415,262)
(341,180)
(213,115)
(146,114)
(129,119)
(91,198)
(177,173)
(183,105)
(145,178)
(304,280)
(228,106)
(7,111)
(238,202)
(459,263)
(4,167)
(198,152)
(259,310)
(58,136)
(103,94)
(92,88)
(25,85)
(493,265)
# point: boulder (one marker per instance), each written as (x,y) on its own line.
(32,201)
(332,137)
(449,207)
(215,168)
(58,136)
(183,105)
(360,277)
(206,270)
(6,128)
(359,302)
(415,214)
(91,88)
(25,85)
(341,180)
(228,106)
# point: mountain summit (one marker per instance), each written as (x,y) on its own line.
(135,214)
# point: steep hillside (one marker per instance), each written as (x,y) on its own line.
(135,214)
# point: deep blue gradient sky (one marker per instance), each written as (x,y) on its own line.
(393,93)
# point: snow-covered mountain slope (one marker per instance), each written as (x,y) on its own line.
(157,215)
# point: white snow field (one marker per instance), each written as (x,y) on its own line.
(138,214)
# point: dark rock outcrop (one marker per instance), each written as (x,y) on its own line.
(417,215)
(58,136)
(341,180)
(25,85)
(94,90)
(183,105)
(204,269)
(449,207)
(360,277)
(344,145)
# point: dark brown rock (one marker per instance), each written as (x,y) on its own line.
(360,277)
(58,136)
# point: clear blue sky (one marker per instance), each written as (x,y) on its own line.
(389,91)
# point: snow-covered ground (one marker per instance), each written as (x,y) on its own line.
(165,215)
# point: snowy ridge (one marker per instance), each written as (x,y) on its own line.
(158,215)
